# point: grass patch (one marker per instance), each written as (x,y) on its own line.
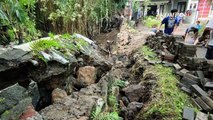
(148,53)
(168,100)
(2,99)
(151,21)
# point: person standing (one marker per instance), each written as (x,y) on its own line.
(209,52)
(171,23)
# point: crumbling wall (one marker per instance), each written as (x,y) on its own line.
(174,49)
(195,73)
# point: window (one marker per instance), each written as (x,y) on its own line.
(195,6)
(191,6)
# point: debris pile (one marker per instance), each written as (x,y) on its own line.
(51,72)
(196,74)
(174,49)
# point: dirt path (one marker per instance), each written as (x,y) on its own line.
(137,38)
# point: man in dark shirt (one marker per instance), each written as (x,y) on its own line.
(171,23)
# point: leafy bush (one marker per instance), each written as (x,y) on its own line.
(42,45)
(18,16)
(80,15)
(151,21)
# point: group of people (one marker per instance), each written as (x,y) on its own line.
(172,22)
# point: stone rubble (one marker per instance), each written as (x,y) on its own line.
(27,84)
(195,73)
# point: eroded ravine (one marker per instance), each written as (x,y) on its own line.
(69,86)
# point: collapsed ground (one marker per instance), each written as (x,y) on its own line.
(125,85)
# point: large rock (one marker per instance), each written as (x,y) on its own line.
(58,94)
(134,92)
(77,106)
(11,97)
(15,99)
(70,108)
(133,109)
(30,114)
(86,76)
(12,58)
(12,62)
(130,112)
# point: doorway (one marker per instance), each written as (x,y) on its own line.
(181,7)
(152,10)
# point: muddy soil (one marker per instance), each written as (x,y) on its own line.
(129,65)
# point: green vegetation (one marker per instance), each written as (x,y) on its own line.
(24,19)
(169,100)
(152,22)
(42,45)
(18,19)
(148,53)
(66,44)
(79,16)
(7,112)
(111,110)
(2,99)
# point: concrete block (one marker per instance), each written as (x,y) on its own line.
(202,104)
(188,82)
(208,101)
(177,67)
(209,85)
(198,91)
(186,90)
(194,102)
(188,113)
(201,116)
(183,71)
(192,77)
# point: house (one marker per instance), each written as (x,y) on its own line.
(194,9)
(204,9)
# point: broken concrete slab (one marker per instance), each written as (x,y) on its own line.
(183,71)
(194,102)
(188,82)
(208,101)
(201,116)
(188,113)
(202,104)
(177,67)
(209,85)
(198,91)
(192,77)
(187,49)
(186,90)
(200,75)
